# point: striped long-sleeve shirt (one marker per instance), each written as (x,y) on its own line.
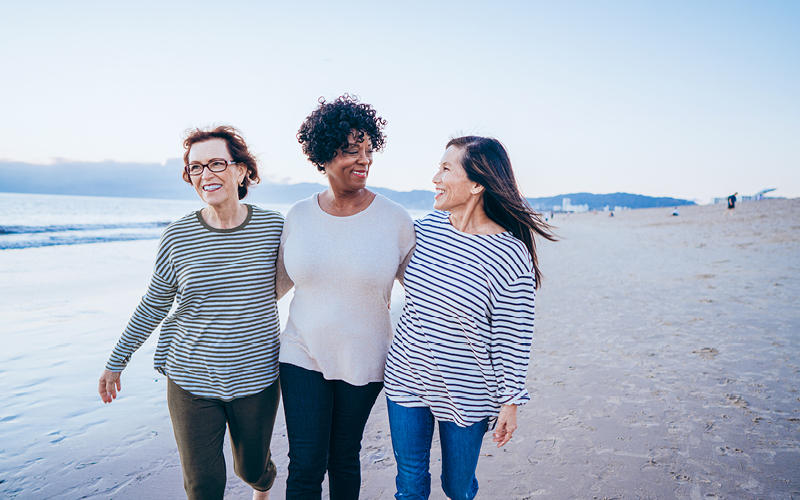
(462,344)
(221,342)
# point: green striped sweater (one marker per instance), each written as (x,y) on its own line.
(221,341)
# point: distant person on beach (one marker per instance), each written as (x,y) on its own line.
(461,349)
(732,201)
(219,349)
(341,250)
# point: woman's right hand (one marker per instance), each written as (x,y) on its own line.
(109,385)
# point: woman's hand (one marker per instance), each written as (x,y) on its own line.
(109,385)
(506,425)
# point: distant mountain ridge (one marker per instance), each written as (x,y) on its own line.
(600,201)
(153,180)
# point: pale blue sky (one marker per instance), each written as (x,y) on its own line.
(686,99)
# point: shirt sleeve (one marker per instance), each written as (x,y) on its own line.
(283,283)
(408,242)
(511,337)
(150,312)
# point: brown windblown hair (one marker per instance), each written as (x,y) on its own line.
(486,162)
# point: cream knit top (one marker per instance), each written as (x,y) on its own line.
(343,270)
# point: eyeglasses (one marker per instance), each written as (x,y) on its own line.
(215,165)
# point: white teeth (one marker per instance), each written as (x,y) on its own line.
(211,187)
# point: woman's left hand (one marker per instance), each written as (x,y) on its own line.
(506,425)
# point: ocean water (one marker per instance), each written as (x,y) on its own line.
(69,280)
(64,299)
(37,220)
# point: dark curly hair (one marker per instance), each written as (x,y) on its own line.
(237,148)
(325,130)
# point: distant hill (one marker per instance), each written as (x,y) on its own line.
(153,180)
(600,201)
(127,180)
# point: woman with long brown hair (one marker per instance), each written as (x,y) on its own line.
(461,349)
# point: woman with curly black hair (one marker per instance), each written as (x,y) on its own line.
(341,250)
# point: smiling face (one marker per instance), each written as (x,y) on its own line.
(348,170)
(216,188)
(453,188)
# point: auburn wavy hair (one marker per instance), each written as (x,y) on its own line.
(237,148)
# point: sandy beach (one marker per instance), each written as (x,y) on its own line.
(665,364)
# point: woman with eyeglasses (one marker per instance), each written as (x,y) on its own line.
(219,348)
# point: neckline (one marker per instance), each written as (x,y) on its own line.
(317,208)
(446,221)
(229,230)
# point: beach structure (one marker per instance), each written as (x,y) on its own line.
(615,208)
(567,206)
(756,197)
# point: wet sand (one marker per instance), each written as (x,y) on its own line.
(666,364)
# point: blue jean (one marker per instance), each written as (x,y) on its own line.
(412,435)
(325,422)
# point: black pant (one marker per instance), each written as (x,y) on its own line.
(199,425)
(325,422)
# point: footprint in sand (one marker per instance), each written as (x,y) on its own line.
(706,352)
(736,400)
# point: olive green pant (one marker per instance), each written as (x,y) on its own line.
(199,425)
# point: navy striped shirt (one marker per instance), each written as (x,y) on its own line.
(462,344)
(221,342)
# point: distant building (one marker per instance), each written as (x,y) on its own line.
(567,206)
(756,197)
